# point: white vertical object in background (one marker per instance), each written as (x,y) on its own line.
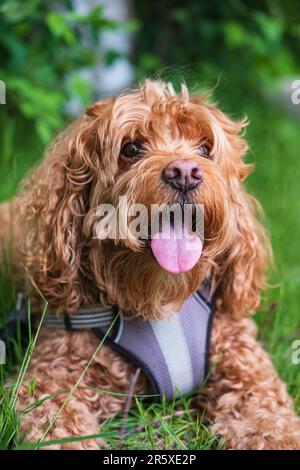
(2,92)
(110,79)
(2,352)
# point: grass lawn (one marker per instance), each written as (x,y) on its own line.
(274,143)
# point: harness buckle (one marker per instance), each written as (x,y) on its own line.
(16,325)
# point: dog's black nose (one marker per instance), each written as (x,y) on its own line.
(183,175)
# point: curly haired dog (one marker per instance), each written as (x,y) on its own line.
(89,163)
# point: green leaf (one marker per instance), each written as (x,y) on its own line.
(56,23)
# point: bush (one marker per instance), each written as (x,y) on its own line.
(43,47)
(250,43)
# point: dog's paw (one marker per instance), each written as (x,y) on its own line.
(284,442)
(246,435)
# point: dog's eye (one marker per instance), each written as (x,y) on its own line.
(204,150)
(131,150)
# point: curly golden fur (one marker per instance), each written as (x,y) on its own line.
(71,267)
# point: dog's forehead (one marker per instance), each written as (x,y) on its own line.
(160,117)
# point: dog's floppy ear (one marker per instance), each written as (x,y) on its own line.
(243,267)
(230,144)
(54,202)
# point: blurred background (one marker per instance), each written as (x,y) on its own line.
(58,56)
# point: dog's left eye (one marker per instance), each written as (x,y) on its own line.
(204,150)
(131,150)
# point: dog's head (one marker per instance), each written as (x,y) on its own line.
(148,149)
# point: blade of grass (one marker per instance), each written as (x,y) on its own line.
(37,445)
(171,433)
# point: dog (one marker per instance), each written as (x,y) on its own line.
(154,147)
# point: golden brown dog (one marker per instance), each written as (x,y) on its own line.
(122,146)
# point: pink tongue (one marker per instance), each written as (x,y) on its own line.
(177,251)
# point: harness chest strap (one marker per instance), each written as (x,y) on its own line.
(173,352)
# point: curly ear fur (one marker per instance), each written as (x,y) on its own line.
(243,267)
(53,204)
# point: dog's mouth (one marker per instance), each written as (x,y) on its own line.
(177,246)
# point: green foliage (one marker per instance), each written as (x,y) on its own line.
(42,48)
(250,43)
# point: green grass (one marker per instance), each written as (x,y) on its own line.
(274,142)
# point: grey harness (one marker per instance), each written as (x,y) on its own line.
(173,352)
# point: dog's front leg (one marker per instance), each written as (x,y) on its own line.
(245,397)
(58,361)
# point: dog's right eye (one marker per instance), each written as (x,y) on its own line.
(131,150)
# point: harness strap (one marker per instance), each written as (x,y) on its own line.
(95,316)
(174,352)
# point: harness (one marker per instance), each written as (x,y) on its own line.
(173,352)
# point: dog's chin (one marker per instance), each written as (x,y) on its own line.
(157,273)
(144,287)
(170,284)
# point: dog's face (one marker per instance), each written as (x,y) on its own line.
(153,148)
(159,148)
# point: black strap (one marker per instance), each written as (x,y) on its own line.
(16,326)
